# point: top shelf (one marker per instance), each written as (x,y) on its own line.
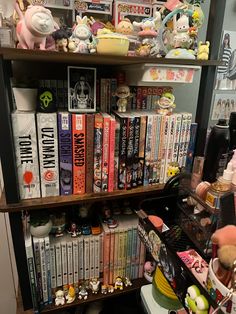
(93,59)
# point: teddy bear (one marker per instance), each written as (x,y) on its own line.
(203,50)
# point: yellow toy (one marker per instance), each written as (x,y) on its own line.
(118,283)
(71,295)
(203,50)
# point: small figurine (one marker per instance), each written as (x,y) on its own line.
(149,268)
(104,289)
(71,295)
(33,28)
(125,27)
(127,282)
(60,299)
(58,224)
(181,33)
(203,50)
(110,288)
(61,37)
(94,285)
(123,93)
(118,283)
(74,230)
(83,293)
(195,301)
(82,34)
(148,26)
(95,25)
(166,103)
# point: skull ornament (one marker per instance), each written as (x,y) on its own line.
(45,99)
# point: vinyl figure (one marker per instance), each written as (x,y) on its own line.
(71,295)
(203,50)
(118,283)
(60,299)
(94,285)
(123,93)
(166,103)
(83,293)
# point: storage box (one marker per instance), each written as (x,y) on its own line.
(98,9)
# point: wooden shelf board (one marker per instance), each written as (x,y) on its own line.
(93,59)
(58,201)
(136,284)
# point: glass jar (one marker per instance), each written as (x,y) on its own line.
(214,194)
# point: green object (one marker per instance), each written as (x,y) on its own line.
(46,100)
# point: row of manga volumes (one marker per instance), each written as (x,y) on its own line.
(62,153)
(56,263)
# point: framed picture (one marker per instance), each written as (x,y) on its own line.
(81,89)
(223,105)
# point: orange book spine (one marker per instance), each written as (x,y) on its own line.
(111,155)
(97,164)
(105,151)
(79,149)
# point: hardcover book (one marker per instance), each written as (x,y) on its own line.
(98,135)
(48,153)
(25,142)
(89,152)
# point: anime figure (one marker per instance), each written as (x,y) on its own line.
(71,295)
(82,94)
(203,50)
(95,25)
(74,231)
(123,93)
(127,282)
(82,34)
(94,285)
(83,293)
(166,103)
(125,27)
(60,299)
(195,301)
(148,26)
(149,268)
(181,33)
(104,289)
(61,37)
(118,283)
(33,28)
(110,289)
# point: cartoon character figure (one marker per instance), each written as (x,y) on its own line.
(118,283)
(94,285)
(104,289)
(123,93)
(74,231)
(125,27)
(110,289)
(71,295)
(166,103)
(127,282)
(148,25)
(33,28)
(181,33)
(95,25)
(83,293)
(60,299)
(196,302)
(61,37)
(203,50)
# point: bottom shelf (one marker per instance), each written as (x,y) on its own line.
(136,284)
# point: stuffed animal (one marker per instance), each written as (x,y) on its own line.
(34,27)
(203,50)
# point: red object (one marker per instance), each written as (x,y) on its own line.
(156,221)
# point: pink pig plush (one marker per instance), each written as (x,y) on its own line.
(33,27)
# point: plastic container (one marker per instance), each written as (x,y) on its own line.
(216,153)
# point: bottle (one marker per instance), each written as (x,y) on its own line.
(227,174)
(216,153)
(232,131)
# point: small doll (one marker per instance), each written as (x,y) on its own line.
(166,103)
(60,298)
(123,93)
(61,37)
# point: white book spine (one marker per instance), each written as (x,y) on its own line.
(91,257)
(97,256)
(26,149)
(177,131)
(48,153)
(81,257)
(165,135)
(182,138)
(64,263)
(58,263)
(170,145)
(101,253)
(48,268)
(75,261)
(53,265)
(43,269)
(187,137)
(69,245)
(86,258)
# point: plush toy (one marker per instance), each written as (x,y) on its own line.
(60,299)
(225,239)
(34,27)
(203,50)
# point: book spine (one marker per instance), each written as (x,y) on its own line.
(26,150)
(36,246)
(69,248)
(75,261)
(165,136)
(106,256)
(120,251)
(108,96)
(187,138)
(136,152)
(111,175)
(98,132)
(122,150)
(91,257)
(152,154)
(182,138)
(134,247)
(129,253)
(133,91)
(58,263)
(112,244)
(117,154)
(191,147)
(144,97)
(79,149)
(149,97)
(53,268)
(43,270)
(64,264)
(124,256)
(169,152)
(48,153)
(31,272)
(89,152)
(139,98)
(177,131)
(130,151)
(142,145)
(81,258)
(48,268)
(137,257)
(65,152)
(156,169)
(141,260)
(103,95)
(113,94)
(105,152)
(86,258)
(96,256)
(148,150)
(101,241)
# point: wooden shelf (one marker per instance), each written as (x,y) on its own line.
(136,284)
(58,201)
(93,59)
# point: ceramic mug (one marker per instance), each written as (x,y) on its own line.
(25,98)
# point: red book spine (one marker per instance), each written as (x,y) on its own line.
(89,152)
(97,165)
(79,149)
(139,98)
(111,155)
(105,151)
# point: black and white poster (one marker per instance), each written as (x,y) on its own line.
(81,89)
(223,105)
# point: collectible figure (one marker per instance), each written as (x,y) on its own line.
(149,268)
(94,285)
(181,33)
(118,283)
(148,26)
(166,103)
(83,293)
(58,224)
(104,289)
(110,288)
(203,50)
(34,27)
(127,282)
(125,27)
(95,25)
(60,299)
(123,93)
(61,37)
(71,295)
(74,230)
(195,301)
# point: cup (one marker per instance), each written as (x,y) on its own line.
(25,98)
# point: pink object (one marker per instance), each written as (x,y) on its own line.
(34,27)
(172,4)
(156,221)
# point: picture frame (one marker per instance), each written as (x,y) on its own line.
(81,89)
(223,104)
